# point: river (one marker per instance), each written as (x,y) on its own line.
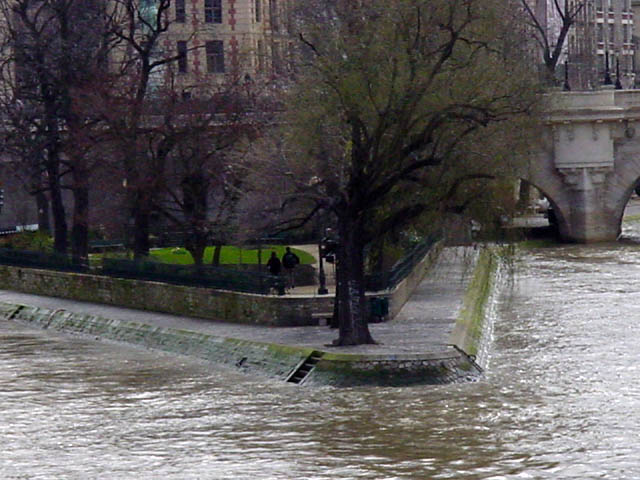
(560,400)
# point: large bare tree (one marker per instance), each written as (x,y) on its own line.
(129,104)
(399,105)
(205,139)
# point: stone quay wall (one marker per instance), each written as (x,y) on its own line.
(273,361)
(279,361)
(472,329)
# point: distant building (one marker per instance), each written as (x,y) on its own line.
(600,40)
(600,43)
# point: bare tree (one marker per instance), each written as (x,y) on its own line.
(51,50)
(129,106)
(205,139)
(549,22)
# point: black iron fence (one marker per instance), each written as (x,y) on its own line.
(34,259)
(204,276)
(199,276)
(400,270)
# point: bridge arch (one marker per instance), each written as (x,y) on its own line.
(560,219)
(587,161)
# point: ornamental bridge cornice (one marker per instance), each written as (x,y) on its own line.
(606,106)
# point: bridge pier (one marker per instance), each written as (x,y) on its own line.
(587,219)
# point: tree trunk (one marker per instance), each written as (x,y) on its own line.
(350,291)
(335,318)
(141,226)
(195,244)
(60,229)
(194,195)
(80,228)
(42,204)
(215,261)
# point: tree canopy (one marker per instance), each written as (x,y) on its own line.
(399,107)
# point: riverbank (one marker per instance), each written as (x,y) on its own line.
(432,340)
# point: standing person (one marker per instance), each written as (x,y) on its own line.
(274,264)
(289,261)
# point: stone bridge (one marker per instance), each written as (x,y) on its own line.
(588,161)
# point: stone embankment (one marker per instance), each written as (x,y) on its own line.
(453,361)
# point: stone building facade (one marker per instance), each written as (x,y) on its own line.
(216,39)
(600,43)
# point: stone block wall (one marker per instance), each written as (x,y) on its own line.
(256,358)
(162,297)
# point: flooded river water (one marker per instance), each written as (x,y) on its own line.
(561,399)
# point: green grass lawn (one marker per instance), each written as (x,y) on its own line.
(229,255)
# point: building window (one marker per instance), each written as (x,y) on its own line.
(600,33)
(215,56)
(273,15)
(612,35)
(258,6)
(213,11)
(260,55)
(182,56)
(181,12)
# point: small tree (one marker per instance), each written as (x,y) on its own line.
(131,95)
(206,165)
(399,106)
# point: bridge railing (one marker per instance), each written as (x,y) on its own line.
(46,260)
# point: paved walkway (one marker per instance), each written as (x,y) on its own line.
(424,325)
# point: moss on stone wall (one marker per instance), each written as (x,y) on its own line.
(265,359)
(467,332)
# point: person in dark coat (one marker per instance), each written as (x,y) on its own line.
(274,264)
(289,262)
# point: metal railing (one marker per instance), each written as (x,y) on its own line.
(202,276)
(45,260)
(401,269)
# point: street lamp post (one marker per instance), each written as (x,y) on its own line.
(322,279)
(618,82)
(607,72)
